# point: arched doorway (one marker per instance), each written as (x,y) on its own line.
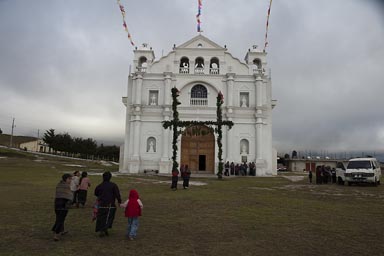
(198,149)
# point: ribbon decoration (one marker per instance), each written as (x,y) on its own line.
(266,27)
(124,23)
(198,16)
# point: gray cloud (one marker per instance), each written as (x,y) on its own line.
(64,65)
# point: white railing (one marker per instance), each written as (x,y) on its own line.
(199,70)
(199,102)
(142,69)
(214,71)
(184,70)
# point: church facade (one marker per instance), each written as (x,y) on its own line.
(199,69)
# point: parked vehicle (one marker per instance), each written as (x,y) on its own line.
(340,173)
(363,170)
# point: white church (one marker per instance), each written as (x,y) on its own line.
(199,69)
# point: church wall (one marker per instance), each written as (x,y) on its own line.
(145,115)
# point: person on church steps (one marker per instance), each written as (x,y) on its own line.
(237,170)
(133,207)
(226,169)
(175,178)
(186,175)
(84,184)
(63,199)
(232,167)
(107,193)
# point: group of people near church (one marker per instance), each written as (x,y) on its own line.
(240,169)
(185,174)
(107,193)
(324,174)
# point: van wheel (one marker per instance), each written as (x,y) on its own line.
(349,183)
(340,181)
(378,182)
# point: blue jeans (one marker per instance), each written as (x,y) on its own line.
(133,225)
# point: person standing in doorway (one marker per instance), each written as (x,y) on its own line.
(107,193)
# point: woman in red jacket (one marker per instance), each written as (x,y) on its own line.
(133,207)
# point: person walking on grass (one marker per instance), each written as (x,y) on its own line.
(107,193)
(133,207)
(83,189)
(186,175)
(175,179)
(75,182)
(310,176)
(63,199)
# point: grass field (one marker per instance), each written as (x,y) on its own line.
(233,216)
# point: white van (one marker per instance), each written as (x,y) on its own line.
(340,173)
(363,170)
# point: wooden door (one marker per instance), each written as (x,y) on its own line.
(198,149)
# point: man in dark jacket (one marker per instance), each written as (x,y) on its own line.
(107,193)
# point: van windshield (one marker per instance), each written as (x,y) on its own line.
(359,165)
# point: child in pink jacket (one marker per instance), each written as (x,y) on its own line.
(133,207)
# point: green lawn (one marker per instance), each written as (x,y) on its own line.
(233,216)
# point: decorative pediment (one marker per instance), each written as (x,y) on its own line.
(200,41)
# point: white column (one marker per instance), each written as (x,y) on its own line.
(167,85)
(136,139)
(230,83)
(139,85)
(259,120)
(124,167)
(165,155)
(229,143)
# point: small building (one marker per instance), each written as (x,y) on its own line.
(37,145)
(297,165)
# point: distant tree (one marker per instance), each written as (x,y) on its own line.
(89,146)
(109,152)
(64,142)
(1,131)
(49,138)
(294,154)
(286,156)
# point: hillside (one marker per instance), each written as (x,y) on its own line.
(16,140)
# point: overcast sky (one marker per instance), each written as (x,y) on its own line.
(64,64)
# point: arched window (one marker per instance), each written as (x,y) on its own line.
(257,63)
(199,95)
(214,66)
(142,64)
(199,65)
(244,147)
(184,65)
(257,66)
(151,145)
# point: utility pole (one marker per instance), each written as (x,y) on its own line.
(13,126)
(37,141)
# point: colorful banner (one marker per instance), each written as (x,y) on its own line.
(124,23)
(198,16)
(266,28)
